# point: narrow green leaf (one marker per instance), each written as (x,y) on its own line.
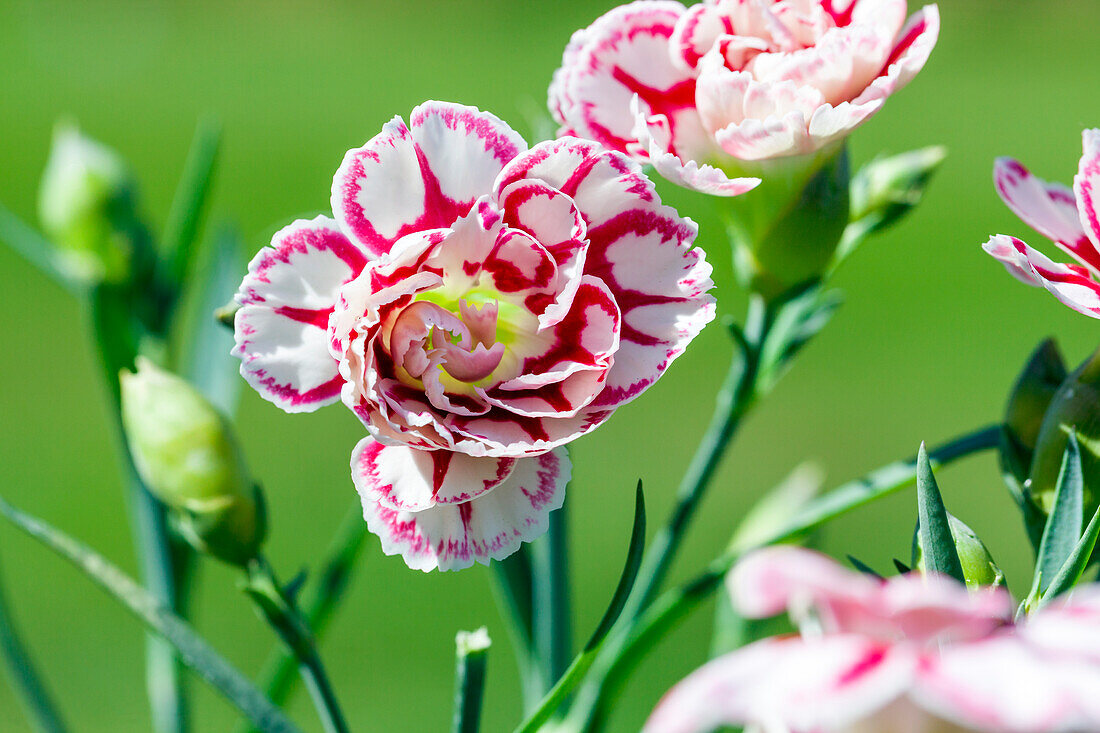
(583,661)
(940,555)
(512,586)
(471,652)
(901,567)
(27,684)
(195,652)
(550,591)
(1063,527)
(205,360)
(1076,563)
(863,567)
(34,248)
(629,574)
(189,204)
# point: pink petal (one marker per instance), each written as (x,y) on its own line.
(406,479)
(660,284)
(286,300)
(938,608)
(1003,684)
(489,527)
(1070,625)
(426,176)
(1085,185)
(1072,286)
(911,50)
(788,684)
(1048,208)
(695,33)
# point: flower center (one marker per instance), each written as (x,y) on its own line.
(426,335)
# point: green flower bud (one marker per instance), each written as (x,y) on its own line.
(785,230)
(1028,402)
(886,189)
(979,567)
(1075,406)
(86,204)
(186,453)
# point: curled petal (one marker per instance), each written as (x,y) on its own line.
(406,479)
(788,684)
(911,51)
(695,33)
(1071,285)
(286,301)
(489,527)
(1085,185)
(421,176)
(1048,208)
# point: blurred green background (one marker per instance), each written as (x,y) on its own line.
(926,346)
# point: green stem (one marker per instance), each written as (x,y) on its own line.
(284,617)
(319,602)
(667,610)
(471,652)
(512,587)
(28,685)
(550,593)
(736,396)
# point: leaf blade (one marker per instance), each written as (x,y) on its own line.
(938,544)
(1063,528)
(1075,564)
(190,201)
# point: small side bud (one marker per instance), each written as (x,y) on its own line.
(886,189)
(85,204)
(1028,403)
(187,455)
(979,567)
(785,230)
(1075,406)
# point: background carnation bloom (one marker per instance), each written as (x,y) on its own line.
(703,92)
(909,653)
(477,305)
(1070,217)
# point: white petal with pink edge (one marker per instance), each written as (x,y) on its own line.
(1070,285)
(1086,184)
(421,176)
(407,479)
(1003,684)
(1048,208)
(788,684)
(286,300)
(490,527)
(910,53)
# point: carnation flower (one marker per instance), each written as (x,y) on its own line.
(705,93)
(1070,217)
(909,653)
(478,305)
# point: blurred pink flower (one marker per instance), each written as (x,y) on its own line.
(478,305)
(905,654)
(700,92)
(1070,217)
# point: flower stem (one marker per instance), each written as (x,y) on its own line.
(667,610)
(284,617)
(320,601)
(550,594)
(512,588)
(471,649)
(25,681)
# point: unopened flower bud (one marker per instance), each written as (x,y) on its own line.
(1028,403)
(186,454)
(85,204)
(1074,407)
(786,230)
(886,189)
(979,568)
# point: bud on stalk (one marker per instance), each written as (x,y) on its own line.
(1075,406)
(886,189)
(784,232)
(86,204)
(187,455)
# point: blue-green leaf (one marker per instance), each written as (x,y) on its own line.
(1076,563)
(195,652)
(1063,527)
(940,555)
(189,204)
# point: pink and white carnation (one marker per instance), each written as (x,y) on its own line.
(910,653)
(1069,217)
(704,92)
(478,305)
